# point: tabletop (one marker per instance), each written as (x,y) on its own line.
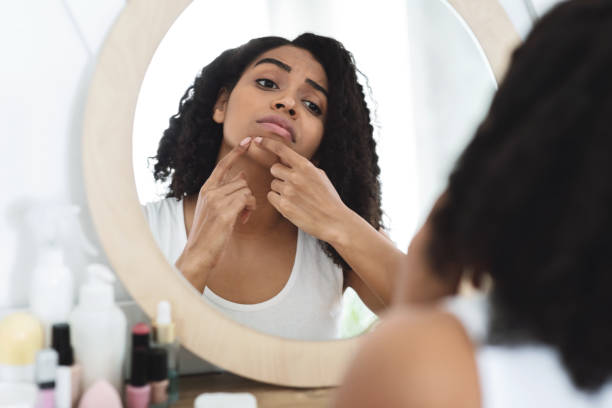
(268,396)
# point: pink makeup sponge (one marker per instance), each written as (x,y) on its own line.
(100,395)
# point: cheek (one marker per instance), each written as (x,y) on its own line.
(236,114)
(312,140)
(232,126)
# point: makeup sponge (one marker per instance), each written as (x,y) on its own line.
(101,395)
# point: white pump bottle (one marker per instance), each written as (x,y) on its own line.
(99,330)
(51,295)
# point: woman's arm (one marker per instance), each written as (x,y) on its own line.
(367,295)
(376,263)
(220,203)
(373,258)
(303,194)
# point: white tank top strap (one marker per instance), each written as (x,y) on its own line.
(472,312)
(307,308)
(526,375)
(254,307)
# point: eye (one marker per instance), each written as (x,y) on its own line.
(313,107)
(266,83)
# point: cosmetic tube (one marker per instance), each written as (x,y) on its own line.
(46,364)
(164,337)
(68,373)
(141,338)
(138,391)
(158,377)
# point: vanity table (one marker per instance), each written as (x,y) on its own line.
(268,396)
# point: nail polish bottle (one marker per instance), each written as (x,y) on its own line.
(138,391)
(164,336)
(158,378)
(68,373)
(46,364)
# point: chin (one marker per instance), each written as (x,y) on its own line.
(262,157)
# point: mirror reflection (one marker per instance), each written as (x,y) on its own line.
(268,195)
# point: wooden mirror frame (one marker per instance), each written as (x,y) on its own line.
(125,234)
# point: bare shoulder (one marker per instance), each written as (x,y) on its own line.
(414,358)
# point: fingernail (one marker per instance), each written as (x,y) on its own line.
(258,139)
(245,141)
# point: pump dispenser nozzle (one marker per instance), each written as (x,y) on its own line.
(54,224)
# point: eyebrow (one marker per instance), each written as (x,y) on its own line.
(287,68)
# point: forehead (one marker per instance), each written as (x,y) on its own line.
(301,62)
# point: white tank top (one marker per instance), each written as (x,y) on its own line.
(526,376)
(307,308)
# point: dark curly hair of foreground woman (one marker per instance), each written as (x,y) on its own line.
(530,200)
(188,150)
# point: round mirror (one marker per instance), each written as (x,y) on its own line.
(427,83)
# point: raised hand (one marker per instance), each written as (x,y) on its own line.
(302,193)
(221,201)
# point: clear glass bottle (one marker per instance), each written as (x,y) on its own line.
(164,337)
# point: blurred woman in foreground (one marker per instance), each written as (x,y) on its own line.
(529,203)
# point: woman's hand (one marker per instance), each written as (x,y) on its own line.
(220,202)
(302,193)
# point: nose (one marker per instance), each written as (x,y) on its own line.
(286,104)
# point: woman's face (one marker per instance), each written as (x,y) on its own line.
(282,95)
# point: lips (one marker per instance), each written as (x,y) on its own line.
(279,126)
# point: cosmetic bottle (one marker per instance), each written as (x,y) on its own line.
(68,373)
(51,294)
(158,378)
(99,330)
(51,289)
(138,390)
(21,337)
(141,338)
(46,365)
(100,395)
(164,337)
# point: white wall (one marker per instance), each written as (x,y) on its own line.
(49,49)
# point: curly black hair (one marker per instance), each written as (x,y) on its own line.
(529,201)
(189,147)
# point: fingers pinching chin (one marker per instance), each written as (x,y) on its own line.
(286,155)
(270,145)
(244,143)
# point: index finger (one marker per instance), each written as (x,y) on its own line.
(226,163)
(286,154)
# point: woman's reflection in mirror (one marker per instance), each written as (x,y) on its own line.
(528,203)
(273,207)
